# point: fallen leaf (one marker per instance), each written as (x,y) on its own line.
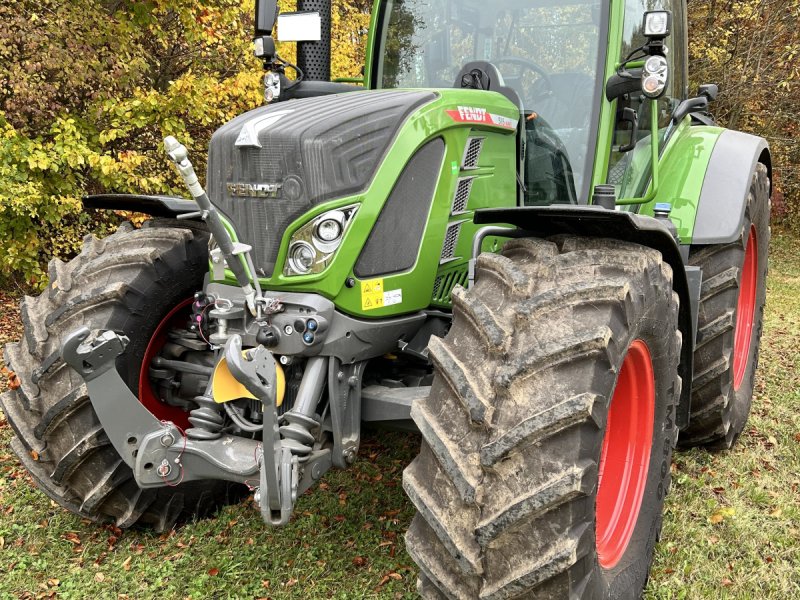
(359,561)
(126,565)
(99,577)
(213,572)
(72,538)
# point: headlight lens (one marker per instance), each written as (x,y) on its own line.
(301,257)
(654,76)
(314,245)
(329,230)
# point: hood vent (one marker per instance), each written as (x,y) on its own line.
(472,153)
(463,189)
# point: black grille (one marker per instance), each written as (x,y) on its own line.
(472,153)
(394,242)
(444,284)
(314,58)
(463,190)
(316,149)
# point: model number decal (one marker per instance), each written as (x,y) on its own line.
(474,114)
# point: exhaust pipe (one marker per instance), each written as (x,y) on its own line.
(314,58)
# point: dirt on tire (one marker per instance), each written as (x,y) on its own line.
(126,282)
(506,479)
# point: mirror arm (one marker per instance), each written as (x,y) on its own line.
(686,107)
(620,84)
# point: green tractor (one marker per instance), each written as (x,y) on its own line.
(519,235)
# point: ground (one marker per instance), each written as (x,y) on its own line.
(732,523)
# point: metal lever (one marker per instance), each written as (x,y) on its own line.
(179,155)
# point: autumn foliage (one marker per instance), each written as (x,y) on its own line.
(751,49)
(88,88)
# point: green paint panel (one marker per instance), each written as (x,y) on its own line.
(683,168)
(494,185)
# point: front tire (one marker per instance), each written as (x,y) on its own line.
(516,429)
(126,282)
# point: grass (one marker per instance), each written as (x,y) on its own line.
(732,522)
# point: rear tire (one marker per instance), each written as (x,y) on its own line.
(726,353)
(126,282)
(506,482)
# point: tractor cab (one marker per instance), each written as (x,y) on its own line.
(546,57)
(554,61)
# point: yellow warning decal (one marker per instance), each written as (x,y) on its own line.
(371,294)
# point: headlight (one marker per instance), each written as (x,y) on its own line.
(314,245)
(654,76)
(301,257)
(657,24)
(329,230)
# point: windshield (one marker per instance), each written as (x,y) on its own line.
(549,52)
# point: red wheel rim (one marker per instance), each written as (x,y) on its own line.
(177,317)
(745,310)
(625,456)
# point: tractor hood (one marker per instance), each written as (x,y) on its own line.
(269,166)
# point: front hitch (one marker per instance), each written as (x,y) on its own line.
(159,452)
(256,370)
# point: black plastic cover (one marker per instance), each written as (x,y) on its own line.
(394,242)
(155,206)
(293,155)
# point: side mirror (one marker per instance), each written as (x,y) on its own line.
(266,12)
(709,91)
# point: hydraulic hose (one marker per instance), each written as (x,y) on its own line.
(180,156)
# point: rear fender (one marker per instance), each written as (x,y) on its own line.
(723,198)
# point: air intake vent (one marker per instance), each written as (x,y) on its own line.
(463,190)
(444,284)
(450,242)
(472,153)
(394,243)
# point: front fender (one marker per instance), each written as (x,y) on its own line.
(155,206)
(545,221)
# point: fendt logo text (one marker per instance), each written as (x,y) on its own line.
(254,190)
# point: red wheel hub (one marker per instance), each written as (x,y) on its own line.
(625,456)
(745,310)
(176,318)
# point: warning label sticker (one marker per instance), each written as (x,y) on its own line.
(371,294)
(374,296)
(392,297)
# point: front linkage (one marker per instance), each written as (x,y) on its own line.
(288,460)
(160,453)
